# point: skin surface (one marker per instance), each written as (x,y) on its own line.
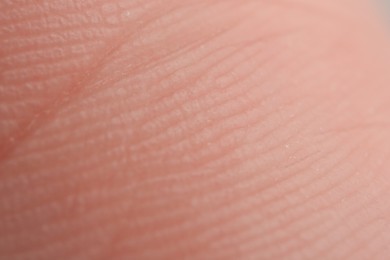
(195,129)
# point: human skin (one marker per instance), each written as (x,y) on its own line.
(174,129)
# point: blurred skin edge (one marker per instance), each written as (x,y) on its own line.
(54,190)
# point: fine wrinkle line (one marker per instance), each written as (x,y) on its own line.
(54,106)
(51,108)
(176,54)
(76,87)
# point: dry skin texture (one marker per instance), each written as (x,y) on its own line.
(195,129)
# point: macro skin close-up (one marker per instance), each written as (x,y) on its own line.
(194,129)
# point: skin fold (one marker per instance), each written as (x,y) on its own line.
(195,129)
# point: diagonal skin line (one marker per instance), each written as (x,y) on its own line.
(76,89)
(38,120)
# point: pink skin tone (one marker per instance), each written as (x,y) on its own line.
(194,130)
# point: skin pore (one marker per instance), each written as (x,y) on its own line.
(195,129)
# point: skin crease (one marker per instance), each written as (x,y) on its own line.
(193,130)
